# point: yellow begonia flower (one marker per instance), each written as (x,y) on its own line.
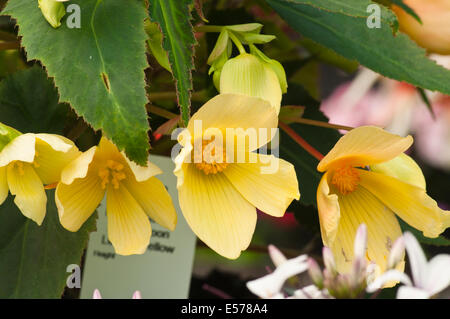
(132,195)
(434,31)
(29,162)
(369,180)
(250,75)
(53,11)
(219,199)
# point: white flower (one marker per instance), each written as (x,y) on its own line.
(97,295)
(270,285)
(428,278)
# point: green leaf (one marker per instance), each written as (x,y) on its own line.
(98,68)
(29,102)
(439,241)
(407,9)
(34,259)
(155,44)
(173,16)
(324,54)
(323,139)
(338,26)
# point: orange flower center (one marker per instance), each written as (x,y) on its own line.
(213,158)
(346,179)
(112,173)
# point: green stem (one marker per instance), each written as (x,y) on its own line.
(237,43)
(161,112)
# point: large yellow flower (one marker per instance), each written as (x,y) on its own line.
(29,162)
(369,180)
(132,195)
(219,198)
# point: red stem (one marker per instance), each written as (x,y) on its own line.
(300,141)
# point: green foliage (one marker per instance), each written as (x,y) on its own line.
(173,16)
(98,68)
(407,9)
(341,26)
(34,259)
(29,102)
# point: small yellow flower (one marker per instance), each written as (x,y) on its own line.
(29,162)
(219,197)
(369,180)
(132,195)
(250,75)
(434,32)
(53,11)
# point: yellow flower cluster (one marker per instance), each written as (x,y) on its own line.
(29,163)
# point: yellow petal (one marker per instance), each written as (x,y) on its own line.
(108,151)
(383,229)
(53,154)
(216,212)
(77,201)
(22,148)
(329,211)
(154,199)
(79,167)
(129,228)
(143,173)
(365,145)
(270,184)
(403,168)
(30,194)
(249,75)
(234,111)
(3,185)
(409,202)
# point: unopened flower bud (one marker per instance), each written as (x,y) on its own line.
(315,273)
(7,134)
(53,11)
(397,253)
(276,255)
(328,260)
(434,32)
(249,75)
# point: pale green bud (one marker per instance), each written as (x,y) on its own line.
(248,75)
(53,11)
(7,134)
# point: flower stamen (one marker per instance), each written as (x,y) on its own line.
(214,158)
(113,172)
(346,179)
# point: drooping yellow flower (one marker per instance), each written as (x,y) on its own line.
(434,32)
(369,180)
(250,75)
(29,162)
(133,194)
(53,11)
(218,193)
